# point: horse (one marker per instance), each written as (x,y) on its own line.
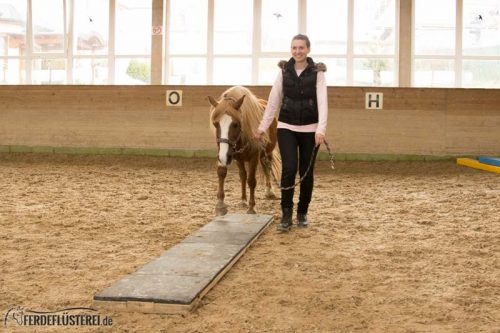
(234,118)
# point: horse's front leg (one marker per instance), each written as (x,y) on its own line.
(243,180)
(252,182)
(221,207)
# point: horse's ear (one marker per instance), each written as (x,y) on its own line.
(212,101)
(238,103)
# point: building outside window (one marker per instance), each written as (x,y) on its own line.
(13,16)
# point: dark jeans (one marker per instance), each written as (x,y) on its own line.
(296,149)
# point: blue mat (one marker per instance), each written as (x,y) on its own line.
(490,160)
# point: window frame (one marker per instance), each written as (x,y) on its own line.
(458,57)
(258,54)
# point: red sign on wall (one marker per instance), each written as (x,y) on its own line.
(157,30)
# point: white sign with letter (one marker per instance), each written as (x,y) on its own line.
(374,101)
(174,97)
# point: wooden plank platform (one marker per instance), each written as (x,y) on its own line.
(477,165)
(177,280)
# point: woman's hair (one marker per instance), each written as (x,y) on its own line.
(304,38)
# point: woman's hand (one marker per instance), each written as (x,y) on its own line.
(319,139)
(258,135)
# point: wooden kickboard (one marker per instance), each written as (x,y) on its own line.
(177,280)
(477,165)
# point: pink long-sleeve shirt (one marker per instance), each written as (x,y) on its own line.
(276,97)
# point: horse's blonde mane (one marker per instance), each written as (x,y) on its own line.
(252,110)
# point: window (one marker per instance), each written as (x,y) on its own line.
(233,27)
(187,70)
(90,71)
(455,43)
(434,32)
(91,42)
(49,43)
(49,71)
(133,27)
(12,71)
(48,26)
(374,43)
(133,42)
(481,44)
(451,53)
(233,22)
(188,27)
(227,69)
(336,73)
(91,27)
(186,60)
(279,23)
(374,27)
(435,27)
(481,28)
(327,26)
(356,39)
(481,73)
(13,18)
(434,73)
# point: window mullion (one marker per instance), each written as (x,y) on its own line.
(302,16)
(69,45)
(458,43)
(210,42)
(257,35)
(350,43)
(166,61)
(111,48)
(29,43)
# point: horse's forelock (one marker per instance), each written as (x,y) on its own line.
(224,107)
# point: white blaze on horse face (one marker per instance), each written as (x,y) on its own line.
(224,124)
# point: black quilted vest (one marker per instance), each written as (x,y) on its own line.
(299,105)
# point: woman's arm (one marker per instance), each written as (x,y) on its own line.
(273,104)
(322,99)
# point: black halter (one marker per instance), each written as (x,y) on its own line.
(234,143)
(229,142)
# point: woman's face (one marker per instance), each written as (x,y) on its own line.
(299,50)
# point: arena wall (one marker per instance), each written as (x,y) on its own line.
(135,119)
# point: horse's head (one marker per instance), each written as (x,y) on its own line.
(226,118)
(16,314)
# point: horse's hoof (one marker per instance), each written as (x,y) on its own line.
(270,195)
(220,211)
(243,204)
(221,204)
(251,211)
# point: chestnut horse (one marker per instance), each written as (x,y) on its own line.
(235,117)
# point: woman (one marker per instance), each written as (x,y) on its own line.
(300,94)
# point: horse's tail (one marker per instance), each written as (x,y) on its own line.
(276,165)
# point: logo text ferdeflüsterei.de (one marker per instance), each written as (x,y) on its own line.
(20,316)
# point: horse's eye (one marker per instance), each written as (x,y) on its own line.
(236,125)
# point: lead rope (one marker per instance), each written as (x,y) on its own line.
(267,162)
